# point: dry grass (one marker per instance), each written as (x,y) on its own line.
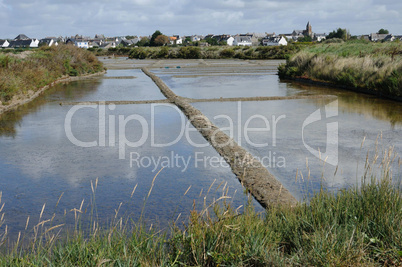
(355,227)
(379,72)
(18,76)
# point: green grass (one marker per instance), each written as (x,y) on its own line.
(356,48)
(375,67)
(18,76)
(356,226)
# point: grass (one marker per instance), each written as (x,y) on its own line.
(194,52)
(21,75)
(374,67)
(356,226)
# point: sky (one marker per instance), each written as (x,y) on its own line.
(42,18)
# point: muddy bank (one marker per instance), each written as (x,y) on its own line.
(343,87)
(252,174)
(193,100)
(20,100)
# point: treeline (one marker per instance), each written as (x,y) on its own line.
(194,52)
(40,67)
(375,68)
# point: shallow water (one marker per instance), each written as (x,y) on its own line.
(136,87)
(282,142)
(39,161)
(218,80)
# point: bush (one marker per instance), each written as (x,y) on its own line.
(163,52)
(139,53)
(227,53)
(190,52)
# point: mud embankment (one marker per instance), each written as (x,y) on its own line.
(265,188)
(20,100)
(194,100)
(360,90)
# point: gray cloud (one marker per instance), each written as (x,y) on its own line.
(40,18)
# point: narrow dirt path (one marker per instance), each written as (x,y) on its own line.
(265,188)
(193,100)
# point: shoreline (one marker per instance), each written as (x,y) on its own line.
(359,90)
(24,99)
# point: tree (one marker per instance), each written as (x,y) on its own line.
(154,36)
(187,40)
(211,41)
(143,42)
(383,31)
(161,40)
(340,34)
(305,39)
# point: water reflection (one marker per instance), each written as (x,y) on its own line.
(38,162)
(10,120)
(280,137)
(225,81)
(367,105)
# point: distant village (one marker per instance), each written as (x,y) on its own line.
(248,39)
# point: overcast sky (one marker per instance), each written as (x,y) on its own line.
(41,18)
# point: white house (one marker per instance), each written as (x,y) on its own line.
(320,37)
(229,40)
(196,38)
(390,38)
(82,44)
(175,40)
(274,41)
(4,43)
(288,36)
(48,42)
(30,43)
(242,41)
(34,43)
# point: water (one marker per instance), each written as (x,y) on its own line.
(233,79)
(284,152)
(113,88)
(39,162)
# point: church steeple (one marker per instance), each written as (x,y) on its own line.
(309,29)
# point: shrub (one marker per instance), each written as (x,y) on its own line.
(163,52)
(190,52)
(139,53)
(227,53)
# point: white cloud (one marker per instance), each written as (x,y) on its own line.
(39,18)
(234,3)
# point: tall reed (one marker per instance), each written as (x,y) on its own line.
(360,225)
